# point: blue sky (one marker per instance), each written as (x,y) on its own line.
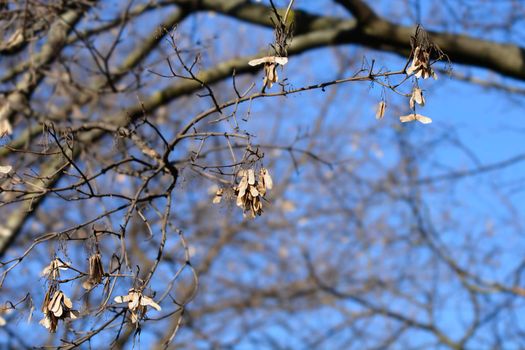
(487,208)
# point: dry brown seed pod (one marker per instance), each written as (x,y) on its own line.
(417,95)
(137,304)
(243,186)
(218,196)
(261,188)
(380,112)
(420,66)
(56,307)
(268,181)
(47,299)
(271,75)
(96,272)
(270,68)
(53,269)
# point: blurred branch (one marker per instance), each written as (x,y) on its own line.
(361,11)
(456,175)
(381,34)
(470,78)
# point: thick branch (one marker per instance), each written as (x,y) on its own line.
(361,11)
(381,34)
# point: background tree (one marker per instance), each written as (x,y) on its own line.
(141,140)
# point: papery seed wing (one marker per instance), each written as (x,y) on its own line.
(274,77)
(258,61)
(242,173)
(62,265)
(16,39)
(268,181)
(257,205)
(54,304)
(239,201)
(411,69)
(73,314)
(88,284)
(218,196)
(45,322)
(46,271)
(281,60)
(243,185)
(417,95)
(135,300)
(91,265)
(271,74)
(5,125)
(407,118)
(67,302)
(5,169)
(53,324)
(98,272)
(122,299)
(147,301)
(422,119)
(251,177)
(47,301)
(58,264)
(380,112)
(261,188)
(52,267)
(59,312)
(269,59)
(261,184)
(253,191)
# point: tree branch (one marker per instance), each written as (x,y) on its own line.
(361,11)
(381,34)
